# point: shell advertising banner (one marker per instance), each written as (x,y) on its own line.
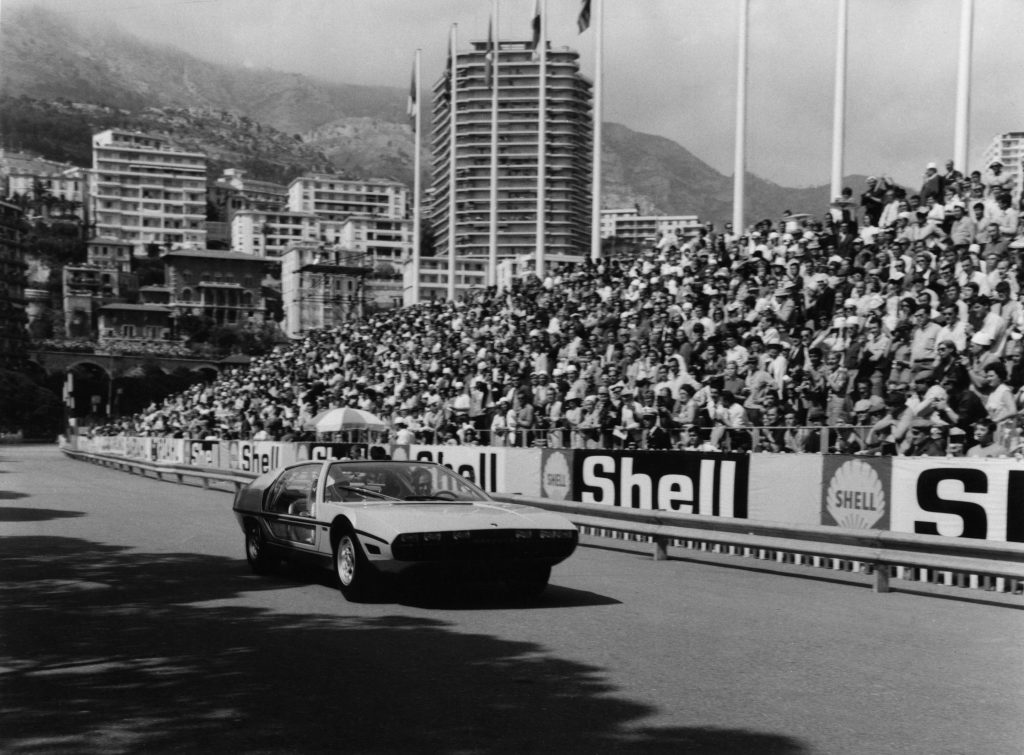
(856,492)
(957,497)
(710,484)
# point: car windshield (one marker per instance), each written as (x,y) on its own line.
(408,481)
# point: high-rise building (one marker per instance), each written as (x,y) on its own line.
(567,153)
(147,191)
(1008,149)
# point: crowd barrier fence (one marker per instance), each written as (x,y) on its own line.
(947,521)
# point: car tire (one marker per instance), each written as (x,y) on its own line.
(357,578)
(257,550)
(531,582)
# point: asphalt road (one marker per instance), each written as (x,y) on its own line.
(129,622)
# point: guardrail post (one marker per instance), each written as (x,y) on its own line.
(881,577)
(660,547)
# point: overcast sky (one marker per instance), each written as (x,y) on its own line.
(669,65)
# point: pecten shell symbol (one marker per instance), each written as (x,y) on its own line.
(855,496)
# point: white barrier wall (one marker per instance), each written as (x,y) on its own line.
(968,498)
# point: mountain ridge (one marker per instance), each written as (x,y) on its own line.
(361,131)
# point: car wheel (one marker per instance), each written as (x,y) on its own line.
(530,582)
(257,551)
(356,575)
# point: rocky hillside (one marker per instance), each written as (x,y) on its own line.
(60,85)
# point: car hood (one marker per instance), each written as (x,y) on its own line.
(439,516)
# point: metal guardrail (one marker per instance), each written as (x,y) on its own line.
(883,554)
(179,473)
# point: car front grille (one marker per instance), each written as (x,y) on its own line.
(483,546)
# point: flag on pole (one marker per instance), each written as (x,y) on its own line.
(535,27)
(583,21)
(489,56)
(413,104)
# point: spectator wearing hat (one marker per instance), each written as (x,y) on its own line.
(919,440)
(924,395)
(892,428)
(995,181)
(932,185)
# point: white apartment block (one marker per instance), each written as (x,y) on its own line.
(1008,149)
(470,274)
(335,198)
(253,192)
(381,239)
(144,190)
(62,182)
(264,233)
(630,227)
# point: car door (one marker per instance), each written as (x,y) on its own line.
(290,506)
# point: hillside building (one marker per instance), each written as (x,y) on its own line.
(628,226)
(27,175)
(336,198)
(269,233)
(568,153)
(321,287)
(144,190)
(225,286)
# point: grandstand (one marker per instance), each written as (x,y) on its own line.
(891,325)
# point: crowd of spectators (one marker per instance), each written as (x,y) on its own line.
(890,324)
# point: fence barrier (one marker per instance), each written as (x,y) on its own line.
(960,562)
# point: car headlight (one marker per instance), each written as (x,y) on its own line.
(461,535)
(431,537)
(410,538)
(524,534)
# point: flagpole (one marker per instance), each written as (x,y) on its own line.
(451,157)
(839,102)
(542,138)
(417,188)
(739,157)
(495,42)
(595,220)
(963,87)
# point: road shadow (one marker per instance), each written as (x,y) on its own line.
(12,495)
(115,650)
(24,514)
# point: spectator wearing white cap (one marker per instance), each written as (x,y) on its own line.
(932,184)
(996,182)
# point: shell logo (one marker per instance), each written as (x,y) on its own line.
(555,477)
(855,496)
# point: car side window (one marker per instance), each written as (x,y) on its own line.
(295,491)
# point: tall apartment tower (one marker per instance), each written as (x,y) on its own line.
(568,153)
(147,191)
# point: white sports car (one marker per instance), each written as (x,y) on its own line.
(370,518)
